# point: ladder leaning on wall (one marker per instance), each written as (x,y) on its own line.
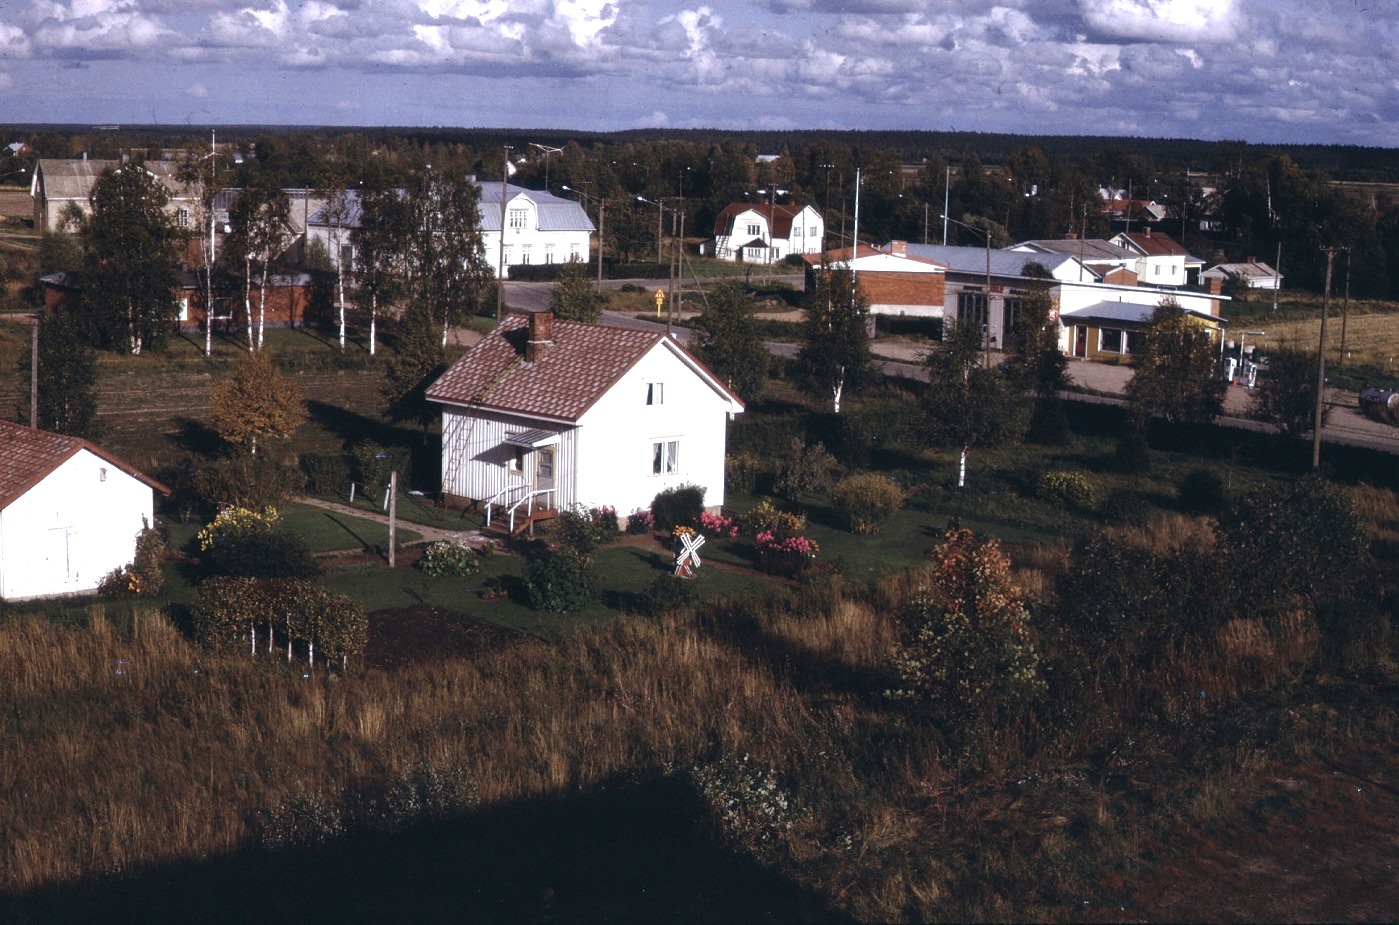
(456,443)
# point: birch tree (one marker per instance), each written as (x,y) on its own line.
(380,241)
(256,402)
(968,405)
(446,264)
(261,232)
(199,174)
(835,350)
(337,212)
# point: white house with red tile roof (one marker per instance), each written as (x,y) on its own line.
(580,414)
(766,233)
(1161,260)
(69,513)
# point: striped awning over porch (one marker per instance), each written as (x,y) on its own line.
(533,439)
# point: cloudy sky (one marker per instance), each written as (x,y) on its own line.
(1260,70)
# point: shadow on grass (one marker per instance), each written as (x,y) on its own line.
(624,852)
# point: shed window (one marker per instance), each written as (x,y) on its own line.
(655,393)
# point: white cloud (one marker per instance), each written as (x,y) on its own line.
(1161,20)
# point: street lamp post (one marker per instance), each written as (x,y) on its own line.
(986,233)
(547,151)
(601,224)
(1321,360)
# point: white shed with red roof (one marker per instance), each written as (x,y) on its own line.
(69,513)
(580,414)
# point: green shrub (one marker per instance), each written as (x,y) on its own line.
(557,584)
(247,480)
(450,558)
(866,500)
(1125,508)
(1070,489)
(1132,454)
(666,594)
(805,469)
(745,472)
(579,531)
(143,577)
(249,544)
(677,507)
(326,472)
(374,462)
(226,609)
(1201,491)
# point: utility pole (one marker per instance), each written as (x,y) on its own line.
(1321,360)
(1345,314)
(393,516)
(1277,276)
(500,259)
(34,375)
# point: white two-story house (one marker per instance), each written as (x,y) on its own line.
(767,233)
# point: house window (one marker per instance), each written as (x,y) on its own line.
(102,474)
(518,218)
(665,457)
(1134,341)
(755,229)
(182,218)
(655,393)
(524,253)
(1110,340)
(575,252)
(548,253)
(509,255)
(517,462)
(971,308)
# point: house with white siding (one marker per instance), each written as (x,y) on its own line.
(767,233)
(561,413)
(69,513)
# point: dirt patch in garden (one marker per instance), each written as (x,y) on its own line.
(421,634)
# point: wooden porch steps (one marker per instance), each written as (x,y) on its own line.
(524,523)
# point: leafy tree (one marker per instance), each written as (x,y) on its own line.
(256,402)
(572,297)
(419,359)
(966,650)
(261,232)
(835,350)
(67,376)
(969,406)
(1037,365)
(380,241)
(1286,392)
(445,259)
(130,259)
(1176,375)
(728,342)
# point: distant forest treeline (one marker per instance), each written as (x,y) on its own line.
(1226,200)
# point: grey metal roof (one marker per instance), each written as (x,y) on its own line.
(1085,248)
(973,259)
(1133,312)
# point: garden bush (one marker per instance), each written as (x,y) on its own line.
(579,531)
(1070,489)
(247,480)
(450,559)
(666,594)
(326,472)
(639,522)
(866,500)
(250,544)
(677,507)
(1132,454)
(746,472)
(225,610)
(805,469)
(557,584)
(143,576)
(374,462)
(1201,491)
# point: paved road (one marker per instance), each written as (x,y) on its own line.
(1099,382)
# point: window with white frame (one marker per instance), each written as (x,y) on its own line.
(971,308)
(575,252)
(548,253)
(182,218)
(525,253)
(655,393)
(665,457)
(754,228)
(1112,340)
(518,218)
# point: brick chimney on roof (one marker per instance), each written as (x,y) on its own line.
(541,335)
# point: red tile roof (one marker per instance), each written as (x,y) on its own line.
(27,455)
(1155,244)
(577,369)
(779,217)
